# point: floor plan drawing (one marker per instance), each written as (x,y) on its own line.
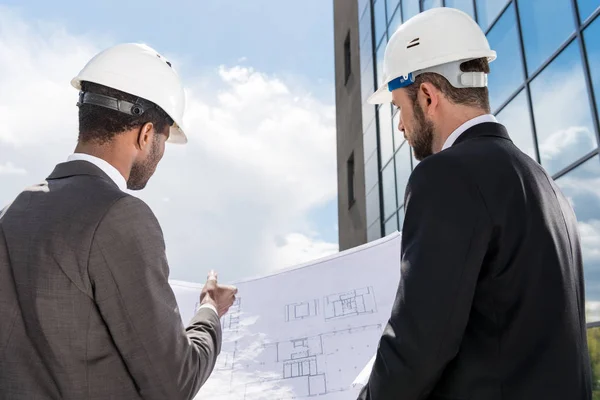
(304,333)
(303,310)
(352,303)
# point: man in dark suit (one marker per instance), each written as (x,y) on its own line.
(491,300)
(86,308)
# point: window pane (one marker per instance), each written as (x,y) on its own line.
(410,8)
(371,172)
(380,55)
(380,21)
(370,141)
(507,70)
(386,142)
(400,219)
(515,117)
(366,57)
(587,8)
(391,7)
(374,231)
(488,10)
(367,82)
(373,205)
(362,6)
(582,188)
(391,225)
(544,29)
(415,162)
(398,138)
(403,171)
(389,190)
(463,5)
(364,26)
(368,115)
(427,4)
(395,22)
(591,37)
(561,111)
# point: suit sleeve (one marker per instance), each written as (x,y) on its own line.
(444,241)
(129,275)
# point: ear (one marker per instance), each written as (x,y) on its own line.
(145,133)
(429,97)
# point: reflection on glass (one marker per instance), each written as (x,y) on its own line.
(415,162)
(380,21)
(398,139)
(587,8)
(391,8)
(488,10)
(561,111)
(386,142)
(367,82)
(427,4)
(362,6)
(373,205)
(370,140)
(515,117)
(506,72)
(366,57)
(463,5)
(410,8)
(389,190)
(403,171)
(364,26)
(380,54)
(591,37)
(374,231)
(400,219)
(582,187)
(395,22)
(391,225)
(371,172)
(544,29)
(368,115)
(593,339)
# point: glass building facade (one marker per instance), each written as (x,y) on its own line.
(544,87)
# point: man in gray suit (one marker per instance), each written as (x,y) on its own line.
(86,310)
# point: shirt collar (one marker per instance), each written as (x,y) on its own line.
(470,123)
(106,167)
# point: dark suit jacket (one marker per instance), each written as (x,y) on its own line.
(491,301)
(86,310)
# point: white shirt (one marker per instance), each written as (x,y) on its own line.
(119,179)
(105,166)
(469,124)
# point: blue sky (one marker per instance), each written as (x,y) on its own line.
(259,172)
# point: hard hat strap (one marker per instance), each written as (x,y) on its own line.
(451,71)
(136,109)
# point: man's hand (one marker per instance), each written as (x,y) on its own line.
(220,296)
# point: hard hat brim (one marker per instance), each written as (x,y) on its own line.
(381,96)
(176,136)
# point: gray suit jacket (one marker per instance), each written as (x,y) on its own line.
(86,311)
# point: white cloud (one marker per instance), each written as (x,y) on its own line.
(261,154)
(9,168)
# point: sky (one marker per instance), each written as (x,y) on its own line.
(254,190)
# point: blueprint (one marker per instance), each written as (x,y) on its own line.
(306,332)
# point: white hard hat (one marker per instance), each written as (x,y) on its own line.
(141,71)
(437,40)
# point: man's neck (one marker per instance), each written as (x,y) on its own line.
(106,153)
(452,121)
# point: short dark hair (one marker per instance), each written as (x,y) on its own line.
(475,97)
(99,124)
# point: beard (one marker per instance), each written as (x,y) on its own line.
(422,135)
(142,171)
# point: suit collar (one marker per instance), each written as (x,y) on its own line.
(78,167)
(486,129)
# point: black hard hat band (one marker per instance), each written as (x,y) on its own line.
(138,108)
